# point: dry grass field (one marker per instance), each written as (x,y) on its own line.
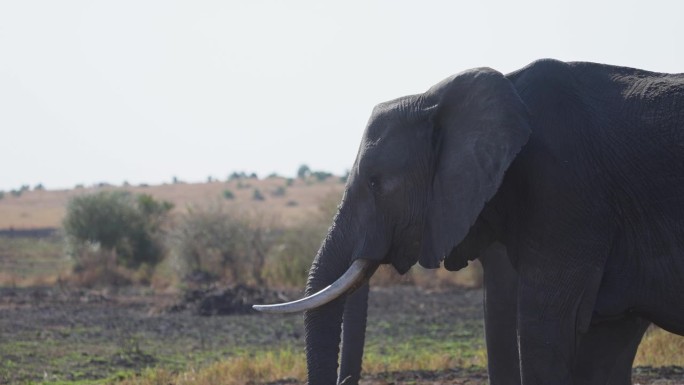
(55,333)
(46,208)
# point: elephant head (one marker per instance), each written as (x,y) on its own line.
(426,166)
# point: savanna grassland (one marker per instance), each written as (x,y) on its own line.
(71,315)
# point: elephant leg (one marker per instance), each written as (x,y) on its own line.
(546,333)
(606,352)
(353,335)
(500,310)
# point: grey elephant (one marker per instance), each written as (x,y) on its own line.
(577,168)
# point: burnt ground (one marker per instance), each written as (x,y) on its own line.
(52,334)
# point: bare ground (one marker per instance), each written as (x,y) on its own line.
(52,334)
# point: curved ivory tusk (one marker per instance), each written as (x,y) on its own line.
(355,276)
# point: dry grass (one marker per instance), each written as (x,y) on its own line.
(34,209)
(286,363)
(32,262)
(660,348)
(254,368)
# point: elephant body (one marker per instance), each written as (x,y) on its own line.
(591,212)
(576,168)
(608,171)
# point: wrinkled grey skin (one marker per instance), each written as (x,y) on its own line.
(605,353)
(575,167)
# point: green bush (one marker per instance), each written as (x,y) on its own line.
(227,194)
(258,196)
(127,225)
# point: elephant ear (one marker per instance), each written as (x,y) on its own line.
(479,125)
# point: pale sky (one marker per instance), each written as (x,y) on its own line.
(142,91)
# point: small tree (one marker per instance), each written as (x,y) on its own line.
(303,172)
(321,176)
(117,221)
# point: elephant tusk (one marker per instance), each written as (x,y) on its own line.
(356,275)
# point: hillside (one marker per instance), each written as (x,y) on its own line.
(286,204)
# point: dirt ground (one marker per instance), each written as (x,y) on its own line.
(52,334)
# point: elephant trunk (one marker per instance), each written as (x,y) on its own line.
(323,325)
(331,299)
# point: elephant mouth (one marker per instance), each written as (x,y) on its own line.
(402,266)
(356,275)
(403,256)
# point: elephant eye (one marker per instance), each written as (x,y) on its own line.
(374,184)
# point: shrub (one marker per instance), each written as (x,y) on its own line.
(237,175)
(321,176)
(279,192)
(2,194)
(290,258)
(127,225)
(95,266)
(212,243)
(227,194)
(258,196)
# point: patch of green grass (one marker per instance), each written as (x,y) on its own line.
(263,365)
(426,347)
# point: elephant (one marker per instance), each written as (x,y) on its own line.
(576,168)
